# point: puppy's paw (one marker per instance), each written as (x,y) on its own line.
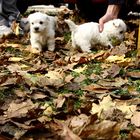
(51,48)
(35,51)
(86,49)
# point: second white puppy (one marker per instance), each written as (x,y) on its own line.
(42,31)
(86,35)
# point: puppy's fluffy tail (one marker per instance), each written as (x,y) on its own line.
(71,24)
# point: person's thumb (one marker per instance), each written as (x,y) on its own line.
(101,26)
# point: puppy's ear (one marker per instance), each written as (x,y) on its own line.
(24,24)
(47,18)
(55,19)
(116,23)
(29,17)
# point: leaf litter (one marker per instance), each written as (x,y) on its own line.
(66,95)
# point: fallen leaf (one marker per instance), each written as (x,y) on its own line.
(19,109)
(112,71)
(104,105)
(15,59)
(78,122)
(96,88)
(136,134)
(128,110)
(48,111)
(135,119)
(59,101)
(133,74)
(117,82)
(68,78)
(80,69)
(119,50)
(9,81)
(106,130)
(80,78)
(118,59)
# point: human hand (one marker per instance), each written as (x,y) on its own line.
(111,13)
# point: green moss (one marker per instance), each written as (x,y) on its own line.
(67,36)
(93,68)
(121,92)
(6,93)
(137,85)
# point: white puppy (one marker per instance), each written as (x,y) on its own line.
(86,35)
(42,31)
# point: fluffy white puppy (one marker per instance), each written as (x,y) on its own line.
(87,35)
(42,31)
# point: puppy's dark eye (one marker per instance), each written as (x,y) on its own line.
(32,23)
(121,32)
(41,22)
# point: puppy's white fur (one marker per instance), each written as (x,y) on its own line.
(86,35)
(42,31)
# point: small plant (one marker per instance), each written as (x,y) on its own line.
(4,93)
(121,92)
(75,74)
(137,85)
(67,36)
(93,68)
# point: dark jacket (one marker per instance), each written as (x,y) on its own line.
(116,2)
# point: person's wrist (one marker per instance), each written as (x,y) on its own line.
(113,11)
(69,1)
(110,16)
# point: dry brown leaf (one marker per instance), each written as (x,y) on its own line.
(104,105)
(118,59)
(15,59)
(80,69)
(133,74)
(63,131)
(54,77)
(78,122)
(12,130)
(59,101)
(9,81)
(136,134)
(20,93)
(67,134)
(68,78)
(119,50)
(136,119)
(72,86)
(117,82)
(19,109)
(14,68)
(106,130)
(96,88)
(128,110)
(112,71)
(38,95)
(80,78)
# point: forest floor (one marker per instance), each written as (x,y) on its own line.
(65,95)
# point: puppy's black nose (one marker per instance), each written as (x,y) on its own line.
(36,28)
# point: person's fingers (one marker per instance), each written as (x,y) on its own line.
(101,25)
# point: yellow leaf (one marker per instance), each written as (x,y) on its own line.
(114,58)
(118,59)
(80,69)
(104,105)
(128,110)
(48,111)
(15,59)
(135,119)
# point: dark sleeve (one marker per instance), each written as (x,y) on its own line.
(116,2)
